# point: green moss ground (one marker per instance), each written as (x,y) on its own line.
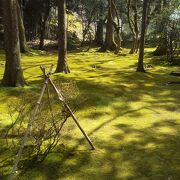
(132,118)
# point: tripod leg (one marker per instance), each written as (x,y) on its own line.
(28,129)
(60,97)
(77,123)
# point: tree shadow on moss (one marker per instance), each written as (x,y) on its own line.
(152,154)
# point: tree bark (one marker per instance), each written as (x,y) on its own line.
(62,65)
(140,67)
(22,36)
(162,47)
(99,37)
(1,25)
(162,44)
(170,49)
(116,27)
(110,43)
(44,19)
(13,75)
(133,24)
(99,32)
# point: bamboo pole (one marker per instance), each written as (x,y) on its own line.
(60,97)
(31,120)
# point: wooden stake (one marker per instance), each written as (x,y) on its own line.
(28,129)
(60,97)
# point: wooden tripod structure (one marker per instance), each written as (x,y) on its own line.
(47,81)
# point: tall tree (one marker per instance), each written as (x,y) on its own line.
(1,25)
(43,21)
(100,25)
(13,75)
(62,65)
(109,39)
(117,27)
(162,44)
(140,67)
(132,15)
(112,29)
(22,36)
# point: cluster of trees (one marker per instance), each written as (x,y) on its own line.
(15,39)
(110,24)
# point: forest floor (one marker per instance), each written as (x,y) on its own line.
(132,118)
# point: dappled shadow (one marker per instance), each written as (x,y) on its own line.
(122,83)
(127,152)
(149,154)
(131,87)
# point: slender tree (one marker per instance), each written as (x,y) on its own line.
(100,26)
(13,75)
(22,37)
(1,25)
(44,18)
(132,16)
(62,65)
(116,27)
(140,67)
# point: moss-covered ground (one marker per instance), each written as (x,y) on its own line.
(132,118)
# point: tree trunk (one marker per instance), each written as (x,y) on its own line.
(118,47)
(133,24)
(99,32)
(170,51)
(62,65)
(116,27)
(162,47)
(136,29)
(100,27)
(140,67)
(109,41)
(44,19)
(162,44)
(22,36)
(42,34)
(135,45)
(13,75)
(1,25)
